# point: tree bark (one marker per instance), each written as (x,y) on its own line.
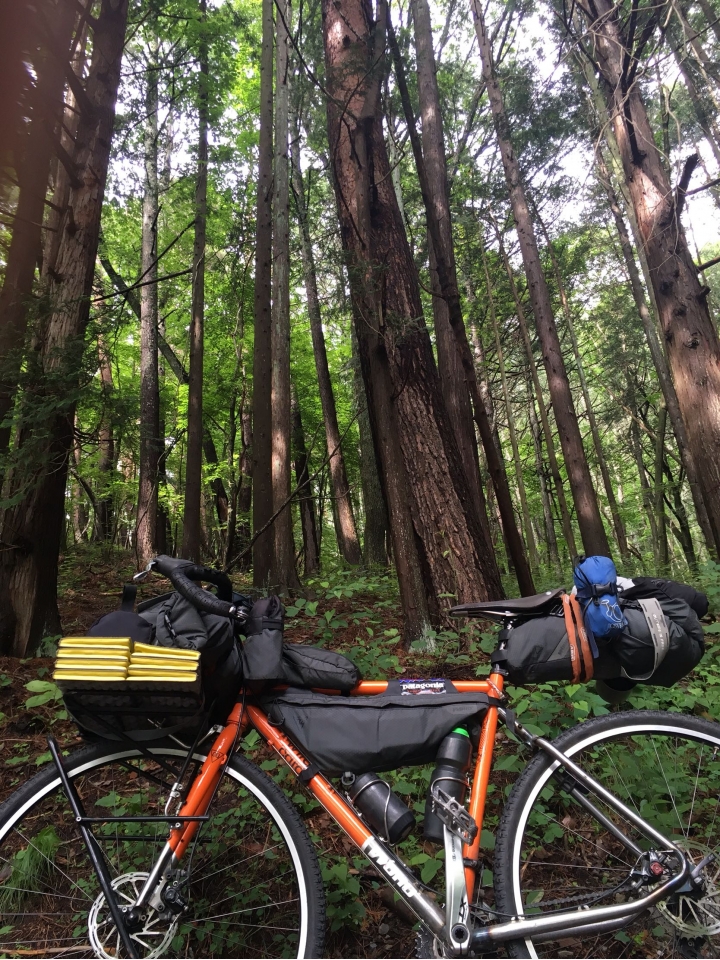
(150,440)
(311,550)
(391,334)
(346,530)
(33,528)
(33,172)
(592,530)
(284,572)
(690,336)
(453,379)
(192,521)
(262,496)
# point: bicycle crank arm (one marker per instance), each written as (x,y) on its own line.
(576,920)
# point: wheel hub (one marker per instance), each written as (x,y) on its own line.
(151,931)
(695,912)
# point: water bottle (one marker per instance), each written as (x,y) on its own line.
(452,763)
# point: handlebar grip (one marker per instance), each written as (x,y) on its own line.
(167,566)
(198,597)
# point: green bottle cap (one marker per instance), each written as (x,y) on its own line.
(461,730)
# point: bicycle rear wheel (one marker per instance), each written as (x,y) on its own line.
(664,766)
(251,884)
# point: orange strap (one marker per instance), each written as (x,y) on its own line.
(582,634)
(572,639)
(581,656)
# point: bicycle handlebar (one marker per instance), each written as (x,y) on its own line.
(182,573)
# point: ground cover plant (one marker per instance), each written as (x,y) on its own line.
(356,613)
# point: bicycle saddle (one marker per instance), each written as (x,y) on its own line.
(509,609)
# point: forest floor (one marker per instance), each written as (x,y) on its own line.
(357,614)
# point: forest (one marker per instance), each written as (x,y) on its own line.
(428,290)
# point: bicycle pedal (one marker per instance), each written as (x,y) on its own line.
(453,814)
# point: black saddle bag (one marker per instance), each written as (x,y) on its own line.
(538,650)
(384,732)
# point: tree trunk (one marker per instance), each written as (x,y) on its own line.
(106,461)
(192,522)
(284,573)
(618,525)
(647,498)
(453,380)
(592,530)
(552,549)
(387,307)
(656,352)
(346,529)
(565,519)
(33,172)
(661,554)
(451,296)
(33,528)
(150,440)
(711,17)
(311,550)
(529,536)
(262,494)
(691,339)
(376,518)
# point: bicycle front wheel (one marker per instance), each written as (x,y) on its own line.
(249,887)
(552,855)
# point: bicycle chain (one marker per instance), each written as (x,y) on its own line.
(476,908)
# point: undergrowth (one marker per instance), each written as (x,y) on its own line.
(357,613)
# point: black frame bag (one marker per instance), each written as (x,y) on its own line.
(383,732)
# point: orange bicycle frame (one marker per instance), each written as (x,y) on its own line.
(205,783)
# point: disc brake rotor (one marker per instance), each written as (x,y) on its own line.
(154,934)
(696,915)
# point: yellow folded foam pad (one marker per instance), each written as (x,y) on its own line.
(83,660)
(143,649)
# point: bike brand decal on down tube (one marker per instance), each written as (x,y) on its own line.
(375,853)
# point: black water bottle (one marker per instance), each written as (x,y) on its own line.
(383,810)
(452,763)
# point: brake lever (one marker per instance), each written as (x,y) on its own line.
(144,574)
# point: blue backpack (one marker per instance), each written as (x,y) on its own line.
(596,582)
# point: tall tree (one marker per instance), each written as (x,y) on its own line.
(192,525)
(311,548)
(262,490)
(690,335)
(589,517)
(284,573)
(448,285)
(398,365)
(33,528)
(450,367)
(347,537)
(150,441)
(36,149)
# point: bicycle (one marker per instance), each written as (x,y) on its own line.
(606,846)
